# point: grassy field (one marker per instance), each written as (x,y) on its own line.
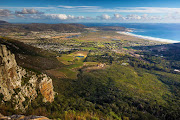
(88,48)
(72,62)
(69,73)
(90,63)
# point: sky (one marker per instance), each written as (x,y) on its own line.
(90,11)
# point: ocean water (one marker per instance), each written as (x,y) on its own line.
(157,31)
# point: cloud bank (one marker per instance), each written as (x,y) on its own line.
(133,14)
(28,11)
(5,13)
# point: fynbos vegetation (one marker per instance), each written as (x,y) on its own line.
(96,75)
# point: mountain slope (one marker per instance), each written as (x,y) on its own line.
(112,82)
(3,22)
(41,27)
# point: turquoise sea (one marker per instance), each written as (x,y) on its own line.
(157,31)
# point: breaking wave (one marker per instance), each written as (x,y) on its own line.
(150,38)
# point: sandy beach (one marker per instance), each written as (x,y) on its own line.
(148,38)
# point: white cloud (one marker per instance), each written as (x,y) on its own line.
(5,13)
(119,9)
(104,17)
(57,16)
(145,17)
(20,15)
(174,16)
(137,10)
(68,7)
(133,17)
(78,7)
(62,17)
(101,9)
(145,14)
(71,17)
(80,17)
(118,16)
(28,11)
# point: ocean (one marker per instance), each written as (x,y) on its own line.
(154,31)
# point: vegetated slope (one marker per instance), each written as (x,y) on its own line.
(31,57)
(167,55)
(137,90)
(41,27)
(132,93)
(112,28)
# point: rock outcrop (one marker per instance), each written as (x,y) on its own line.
(22,117)
(19,85)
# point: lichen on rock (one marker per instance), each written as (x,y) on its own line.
(20,85)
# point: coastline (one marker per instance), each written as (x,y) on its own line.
(148,37)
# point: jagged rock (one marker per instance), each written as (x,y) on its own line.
(46,88)
(20,85)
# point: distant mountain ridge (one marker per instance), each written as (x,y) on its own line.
(112,28)
(3,22)
(41,27)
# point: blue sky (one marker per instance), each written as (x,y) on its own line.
(118,11)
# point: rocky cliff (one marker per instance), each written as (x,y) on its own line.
(21,86)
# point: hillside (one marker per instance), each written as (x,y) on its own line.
(3,22)
(102,75)
(169,52)
(30,57)
(112,28)
(41,27)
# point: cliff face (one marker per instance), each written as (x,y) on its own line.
(19,85)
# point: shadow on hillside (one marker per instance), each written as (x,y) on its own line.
(30,57)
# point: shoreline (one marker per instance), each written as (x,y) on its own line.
(148,37)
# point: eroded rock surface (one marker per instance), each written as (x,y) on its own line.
(20,85)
